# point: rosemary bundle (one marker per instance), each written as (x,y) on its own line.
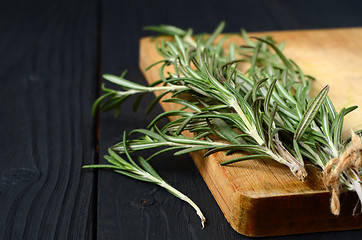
(265,111)
(318,132)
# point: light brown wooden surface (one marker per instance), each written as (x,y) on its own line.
(262,197)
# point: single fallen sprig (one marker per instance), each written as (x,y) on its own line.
(143,172)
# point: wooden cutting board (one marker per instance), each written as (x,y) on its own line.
(262,197)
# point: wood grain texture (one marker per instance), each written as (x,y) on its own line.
(248,191)
(48,77)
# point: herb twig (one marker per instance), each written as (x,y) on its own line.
(143,172)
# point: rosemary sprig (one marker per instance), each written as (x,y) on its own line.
(113,99)
(143,172)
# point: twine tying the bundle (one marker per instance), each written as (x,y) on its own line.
(349,163)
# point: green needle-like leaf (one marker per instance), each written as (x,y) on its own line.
(245,158)
(310,113)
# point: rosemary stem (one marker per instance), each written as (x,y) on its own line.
(315,155)
(188,39)
(331,147)
(352,182)
(356,184)
(252,129)
(178,194)
(151,89)
(144,145)
(294,165)
(186,199)
(283,157)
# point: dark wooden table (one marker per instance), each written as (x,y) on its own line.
(52,56)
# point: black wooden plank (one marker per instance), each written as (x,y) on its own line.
(48,79)
(128,209)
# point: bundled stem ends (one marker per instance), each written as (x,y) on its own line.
(347,164)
